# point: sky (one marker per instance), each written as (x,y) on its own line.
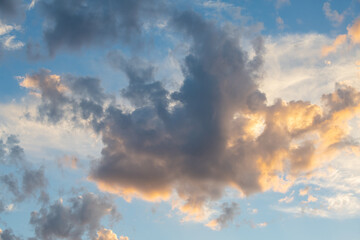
(164,119)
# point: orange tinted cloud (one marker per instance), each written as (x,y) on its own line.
(340,40)
(108,234)
(354,32)
(353,35)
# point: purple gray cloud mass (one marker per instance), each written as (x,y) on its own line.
(216,131)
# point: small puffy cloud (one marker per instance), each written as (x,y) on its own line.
(10,44)
(83,214)
(304,191)
(7,40)
(9,207)
(286,199)
(5,28)
(108,234)
(31,180)
(261,225)
(227,215)
(334,16)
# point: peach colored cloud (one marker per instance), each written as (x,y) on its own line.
(353,35)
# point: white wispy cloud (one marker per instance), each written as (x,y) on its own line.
(295,68)
(334,16)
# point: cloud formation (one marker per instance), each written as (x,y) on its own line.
(8,234)
(216,131)
(82,215)
(228,214)
(107,234)
(11,9)
(32,180)
(353,36)
(334,16)
(76,24)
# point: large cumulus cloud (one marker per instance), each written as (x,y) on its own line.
(216,131)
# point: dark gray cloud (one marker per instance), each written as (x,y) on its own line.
(82,215)
(8,234)
(73,24)
(184,143)
(11,9)
(142,90)
(216,131)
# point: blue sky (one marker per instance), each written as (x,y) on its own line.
(179,119)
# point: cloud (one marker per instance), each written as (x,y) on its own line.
(32,4)
(32,180)
(339,206)
(5,28)
(2,206)
(68,161)
(82,215)
(287,199)
(11,9)
(216,131)
(333,15)
(294,67)
(340,40)
(353,36)
(281,3)
(11,183)
(75,24)
(8,234)
(280,23)
(304,192)
(354,32)
(107,234)
(7,41)
(228,214)
(10,44)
